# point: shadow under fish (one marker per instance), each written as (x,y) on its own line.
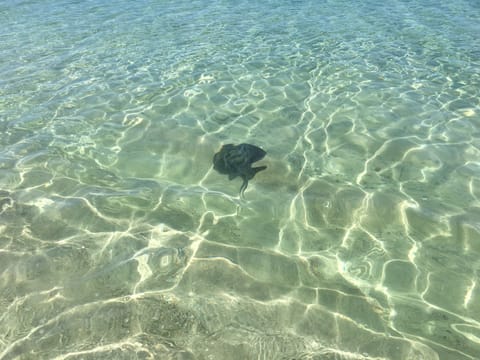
(236,160)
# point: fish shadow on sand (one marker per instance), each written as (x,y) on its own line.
(236,160)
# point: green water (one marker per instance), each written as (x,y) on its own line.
(118,239)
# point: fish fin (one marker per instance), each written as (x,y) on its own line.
(255,170)
(259,168)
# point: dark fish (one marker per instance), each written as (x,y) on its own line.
(237,160)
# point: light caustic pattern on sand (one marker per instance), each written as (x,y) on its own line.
(359,241)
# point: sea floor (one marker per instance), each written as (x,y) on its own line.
(118,239)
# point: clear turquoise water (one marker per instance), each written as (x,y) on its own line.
(118,240)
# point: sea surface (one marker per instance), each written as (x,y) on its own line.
(361,239)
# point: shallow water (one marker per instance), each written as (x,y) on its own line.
(361,239)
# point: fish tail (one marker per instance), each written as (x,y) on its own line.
(243,187)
